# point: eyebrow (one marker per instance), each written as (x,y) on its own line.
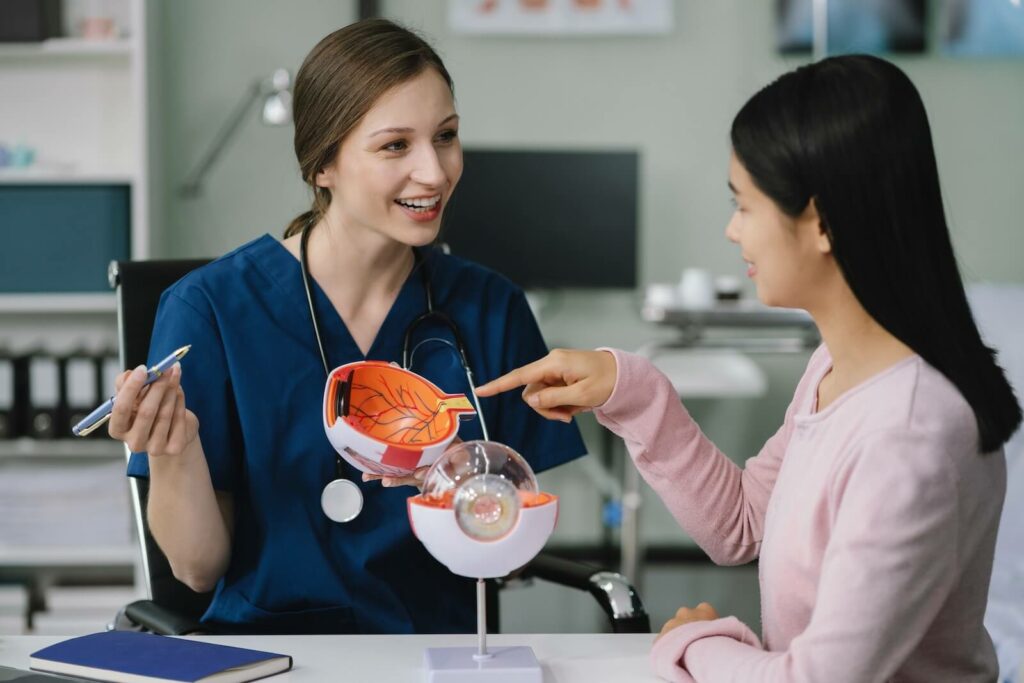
(732,188)
(403,131)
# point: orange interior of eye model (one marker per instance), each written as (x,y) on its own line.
(447,499)
(393,405)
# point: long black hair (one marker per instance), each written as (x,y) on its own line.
(851,134)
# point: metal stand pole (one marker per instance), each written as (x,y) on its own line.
(481,621)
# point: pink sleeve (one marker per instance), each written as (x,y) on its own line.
(671,648)
(719,504)
(889,566)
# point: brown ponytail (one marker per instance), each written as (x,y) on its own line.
(321,200)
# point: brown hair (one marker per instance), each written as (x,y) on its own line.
(339,81)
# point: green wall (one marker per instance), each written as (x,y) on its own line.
(205,55)
(672,97)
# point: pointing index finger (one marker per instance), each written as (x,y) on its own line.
(534,372)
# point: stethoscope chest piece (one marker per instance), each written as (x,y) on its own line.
(341,500)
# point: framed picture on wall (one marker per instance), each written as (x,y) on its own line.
(874,26)
(560,17)
(982,28)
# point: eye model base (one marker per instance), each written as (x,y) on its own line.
(515,664)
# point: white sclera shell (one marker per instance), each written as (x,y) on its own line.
(471,514)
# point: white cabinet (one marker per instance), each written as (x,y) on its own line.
(81,105)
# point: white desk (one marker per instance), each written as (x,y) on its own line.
(566,658)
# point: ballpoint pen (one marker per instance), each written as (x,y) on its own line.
(102,414)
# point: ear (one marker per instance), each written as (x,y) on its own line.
(812,221)
(325,177)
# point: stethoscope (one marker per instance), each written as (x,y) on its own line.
(342,500)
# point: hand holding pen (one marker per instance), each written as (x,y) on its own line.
(150,415)
(152,418)
(102,413)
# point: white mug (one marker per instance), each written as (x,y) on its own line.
(661,295)
(696,288)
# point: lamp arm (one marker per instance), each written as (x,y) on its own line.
(193,181)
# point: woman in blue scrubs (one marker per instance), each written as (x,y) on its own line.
(233,443)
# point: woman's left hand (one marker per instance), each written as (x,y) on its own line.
(685,615)
(414,479)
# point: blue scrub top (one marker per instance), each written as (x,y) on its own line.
(255,380)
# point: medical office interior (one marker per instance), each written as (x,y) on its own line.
(595,177)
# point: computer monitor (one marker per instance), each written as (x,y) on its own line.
(548,219)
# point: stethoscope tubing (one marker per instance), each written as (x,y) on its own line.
(346,495)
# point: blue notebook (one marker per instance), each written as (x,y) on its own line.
(130,657)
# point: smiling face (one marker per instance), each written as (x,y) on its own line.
(396,170)
(789,259)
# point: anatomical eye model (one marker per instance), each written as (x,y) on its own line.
(482,515)
(386,420)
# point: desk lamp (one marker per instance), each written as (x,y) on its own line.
(482,515)
(276,110)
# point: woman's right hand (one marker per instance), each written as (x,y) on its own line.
(562,383)
(152,418)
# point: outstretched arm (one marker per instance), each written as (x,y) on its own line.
(721,505)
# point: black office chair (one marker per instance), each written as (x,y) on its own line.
(174,609)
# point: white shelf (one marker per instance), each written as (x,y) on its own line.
(67,556)
(45,176)
(83,105)
(58,303)
(70,47)
(61,448)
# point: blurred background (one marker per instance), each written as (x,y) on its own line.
(159,129)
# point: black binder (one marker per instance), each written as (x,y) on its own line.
(8,414)
(44,396)
(81,390)
(110,368)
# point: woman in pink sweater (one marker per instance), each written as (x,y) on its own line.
(874,508)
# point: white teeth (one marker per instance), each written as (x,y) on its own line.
(424,204)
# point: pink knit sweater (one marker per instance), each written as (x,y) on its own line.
(874,520)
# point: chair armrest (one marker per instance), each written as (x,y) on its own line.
(612,590)
(158,619)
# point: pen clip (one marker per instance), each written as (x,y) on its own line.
(91,428)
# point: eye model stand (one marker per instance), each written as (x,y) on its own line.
(482,516)
(514,664)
